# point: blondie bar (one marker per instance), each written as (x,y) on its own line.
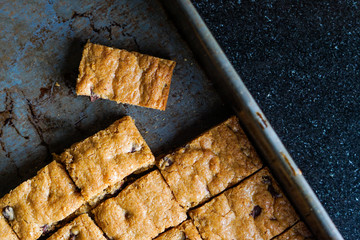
(35,206)
(255,209)
(5,230)
(106,158)
(142,210)
(81,228)
(219,158)
(186,230)
(297,232)
(126,77)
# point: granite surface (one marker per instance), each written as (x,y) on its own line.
(300,60)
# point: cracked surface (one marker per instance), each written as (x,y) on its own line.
(297,232)
(228,216)
(219,158)
(5,230)
(126,77)
(40,202)
(106,158)
(186,230)
(141,211)
(87,230)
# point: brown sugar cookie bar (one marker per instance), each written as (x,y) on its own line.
(124,77)
(219,158)
(81,228)
(255,209)
(5,230)
(106,158)
(35,206)
(186,230)
(142,210)
(297,232)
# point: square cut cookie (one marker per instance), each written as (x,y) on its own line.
(106,158)
(81,228)
(141,211)
(255,209)
(5,230)
(124,77)
(35,206)
(216,160)
(186,230)
(297,232)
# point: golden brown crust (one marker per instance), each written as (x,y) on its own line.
(297,232)
(186,230)
(219,158)
(126,77)
(5,230)
(106,158)
(39,203)
(255,209)
(82,227)
(141,211)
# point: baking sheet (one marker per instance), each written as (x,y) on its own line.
(40,50)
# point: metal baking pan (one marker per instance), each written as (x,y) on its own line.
(40,51)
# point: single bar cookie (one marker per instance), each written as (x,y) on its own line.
(186,230)
(106,158)
(5,230)
(81,228)
(216,160)
(124,77)
(255,209)
(35,206)
(297,232)
(142,210)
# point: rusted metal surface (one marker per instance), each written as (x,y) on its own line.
(40,50)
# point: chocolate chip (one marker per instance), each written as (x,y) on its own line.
(45,229)
(77,189)
(93,96)
(256,211)
(183,236)
(8,213)
(165,162)
(135,148)
(127,215)
(273,192)
(266,180)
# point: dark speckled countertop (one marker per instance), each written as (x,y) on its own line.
(300,60)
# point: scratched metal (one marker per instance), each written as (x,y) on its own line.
(40,50)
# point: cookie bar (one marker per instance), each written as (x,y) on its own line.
(126,77)
(35,206)
(106,158)
(255,209)
(142,210)
(219,158)
(186,230)
(5,230)
(297,232)
(81,228)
